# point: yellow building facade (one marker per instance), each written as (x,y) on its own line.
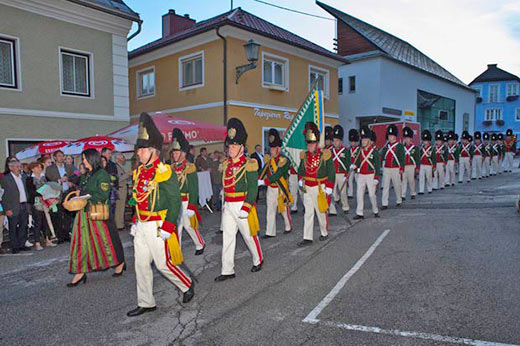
(183,75)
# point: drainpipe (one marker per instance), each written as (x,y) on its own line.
(139,26)
(224,72)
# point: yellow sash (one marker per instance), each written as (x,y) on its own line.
(252,219)
(282,198)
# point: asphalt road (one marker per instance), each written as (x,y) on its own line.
(440,270)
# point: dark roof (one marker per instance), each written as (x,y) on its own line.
(115,7)
(494,74)
(392,46)
(244,20)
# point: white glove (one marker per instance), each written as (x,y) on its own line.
(376,182)
(164,235)
(133,230)
(328,191)
(31,221)
(260,182)
(300,183)
(352,166)
(344,179)
(189,213)
(243,214)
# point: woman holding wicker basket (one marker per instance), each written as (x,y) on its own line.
(94,246)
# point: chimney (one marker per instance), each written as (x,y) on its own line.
(492,65)
(173,23)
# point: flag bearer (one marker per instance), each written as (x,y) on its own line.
(486,163)
(441,156)
(341,160)
(510,150)
(501,152)
(316,178)
(393,155)
(186,173)
(411,163)
(465,157)
(275,176)
(353,137)
(240,183)
(427,163)
(478,155)
(453,158)
(368,166)
(493,154)
(157,201)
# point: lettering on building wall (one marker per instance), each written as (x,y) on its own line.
(266,114)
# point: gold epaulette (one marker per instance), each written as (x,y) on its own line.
(267,157)
(134,174)
(223,166)
(251,165)
(283,160)
(327,154)
(302,155)
(190,168)
(163,172)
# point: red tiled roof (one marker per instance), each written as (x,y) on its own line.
(244,20)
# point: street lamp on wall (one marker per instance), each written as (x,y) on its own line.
(251,49)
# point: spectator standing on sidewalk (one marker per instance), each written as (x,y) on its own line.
(190,157)
(123,176)
(216,178)
(202,162)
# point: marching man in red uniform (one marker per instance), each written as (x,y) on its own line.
(465,157)
(341,159)
(441,156)
(353,137)
(427,163)
(510,146)
(478,154)
(393,155)
(412,162)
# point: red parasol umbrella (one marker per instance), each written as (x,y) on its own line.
(98,143)
(43,148)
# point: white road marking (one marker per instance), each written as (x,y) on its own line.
(418,335)
(312,316)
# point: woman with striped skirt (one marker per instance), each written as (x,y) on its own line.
(94,247)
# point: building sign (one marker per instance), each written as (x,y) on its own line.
(392,111)
(269,114)
(410,113)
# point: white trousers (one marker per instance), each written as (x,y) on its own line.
(184,223)
(394,176)
(438,176)
(295,191)
(477,167)
(150,248)
(486,166)
(272,210)
(339,196)
(450,172)
(464,168)
(350,187)
(508,161)
(231,223)
(500,165)
(366,181)
(425,176)
(494,165)
(408,180)
(310,201)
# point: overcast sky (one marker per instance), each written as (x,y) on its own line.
(463,36)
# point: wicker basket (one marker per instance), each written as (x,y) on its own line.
(74,204)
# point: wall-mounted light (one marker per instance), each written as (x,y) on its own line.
(252,48)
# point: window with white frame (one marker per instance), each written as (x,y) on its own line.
(517,114)
(322,77)
(8,67)
(275,72)
(191,71)
(493,93)
(512,89)
(493,114)
(75,73)
(146,82)
(352,84)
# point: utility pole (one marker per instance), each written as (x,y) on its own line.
(231,5)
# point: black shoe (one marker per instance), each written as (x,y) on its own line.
(384,207)
(189,294)
(358,217)
(257,268)
(139,311)
(398,205)
(376,215)
(404,198)
(219,232)
(429,192)
(421,193)
(346,211)
(15,251)
(473,178)
(25,248)
(453,184)
(294,211)
(413,197)
(200,251)
(350,197)
(74,284)
(332,214)
(287,232)
(115,275)
(323,237)
(265,236)
(305,242)
(224,277)
(60,242)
